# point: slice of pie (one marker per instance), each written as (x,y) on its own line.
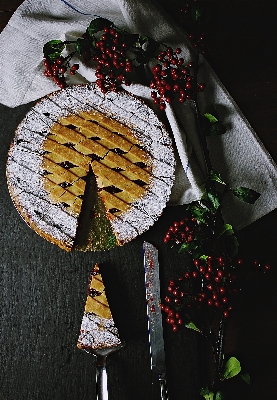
(98,330)
(90,171)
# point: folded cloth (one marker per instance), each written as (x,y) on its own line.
(238,155)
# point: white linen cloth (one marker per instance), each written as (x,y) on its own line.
(238,155)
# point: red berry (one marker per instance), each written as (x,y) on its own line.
(202,269)
(171,313)
(222,289)
(174,328)
(162,106)
(168,299)
(201,87)
(226,314)
(59,60)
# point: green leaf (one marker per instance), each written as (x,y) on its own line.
(219,396)
(212,125)
(82,45)
(211,117)
(217,178)
(207,394)
(98,24)
(246,378)
(245,194)
(214,199)
(226,230)
(196,12)
(197,211)
(232,368)
(188,246)
(191,325)
(53,49)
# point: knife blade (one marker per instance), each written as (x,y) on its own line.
(154,315)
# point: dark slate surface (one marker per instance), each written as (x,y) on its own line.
(43,290)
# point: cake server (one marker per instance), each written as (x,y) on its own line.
(98,334)
(154,315)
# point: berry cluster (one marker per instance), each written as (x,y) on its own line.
(214,281)
(171,78)
(182,231)
(112,63)
(217,281)
(56,69)
(173,304)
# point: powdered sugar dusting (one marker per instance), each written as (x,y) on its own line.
(97,333)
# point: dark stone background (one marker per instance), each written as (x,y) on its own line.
(43,288)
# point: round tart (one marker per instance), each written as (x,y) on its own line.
(88,170)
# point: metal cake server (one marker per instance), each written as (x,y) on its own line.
(155,327)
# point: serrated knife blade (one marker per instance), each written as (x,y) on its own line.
(154,315)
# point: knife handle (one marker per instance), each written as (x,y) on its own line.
(163,387)
(101,378)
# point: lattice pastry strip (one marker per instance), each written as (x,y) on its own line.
(108,138)
(110,124)
(91,130)
(66,174)
(114,205)
(67,153)
(125,167)
(117,179)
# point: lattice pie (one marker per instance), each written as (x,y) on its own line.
(90,171)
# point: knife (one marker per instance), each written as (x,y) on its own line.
(155,326)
